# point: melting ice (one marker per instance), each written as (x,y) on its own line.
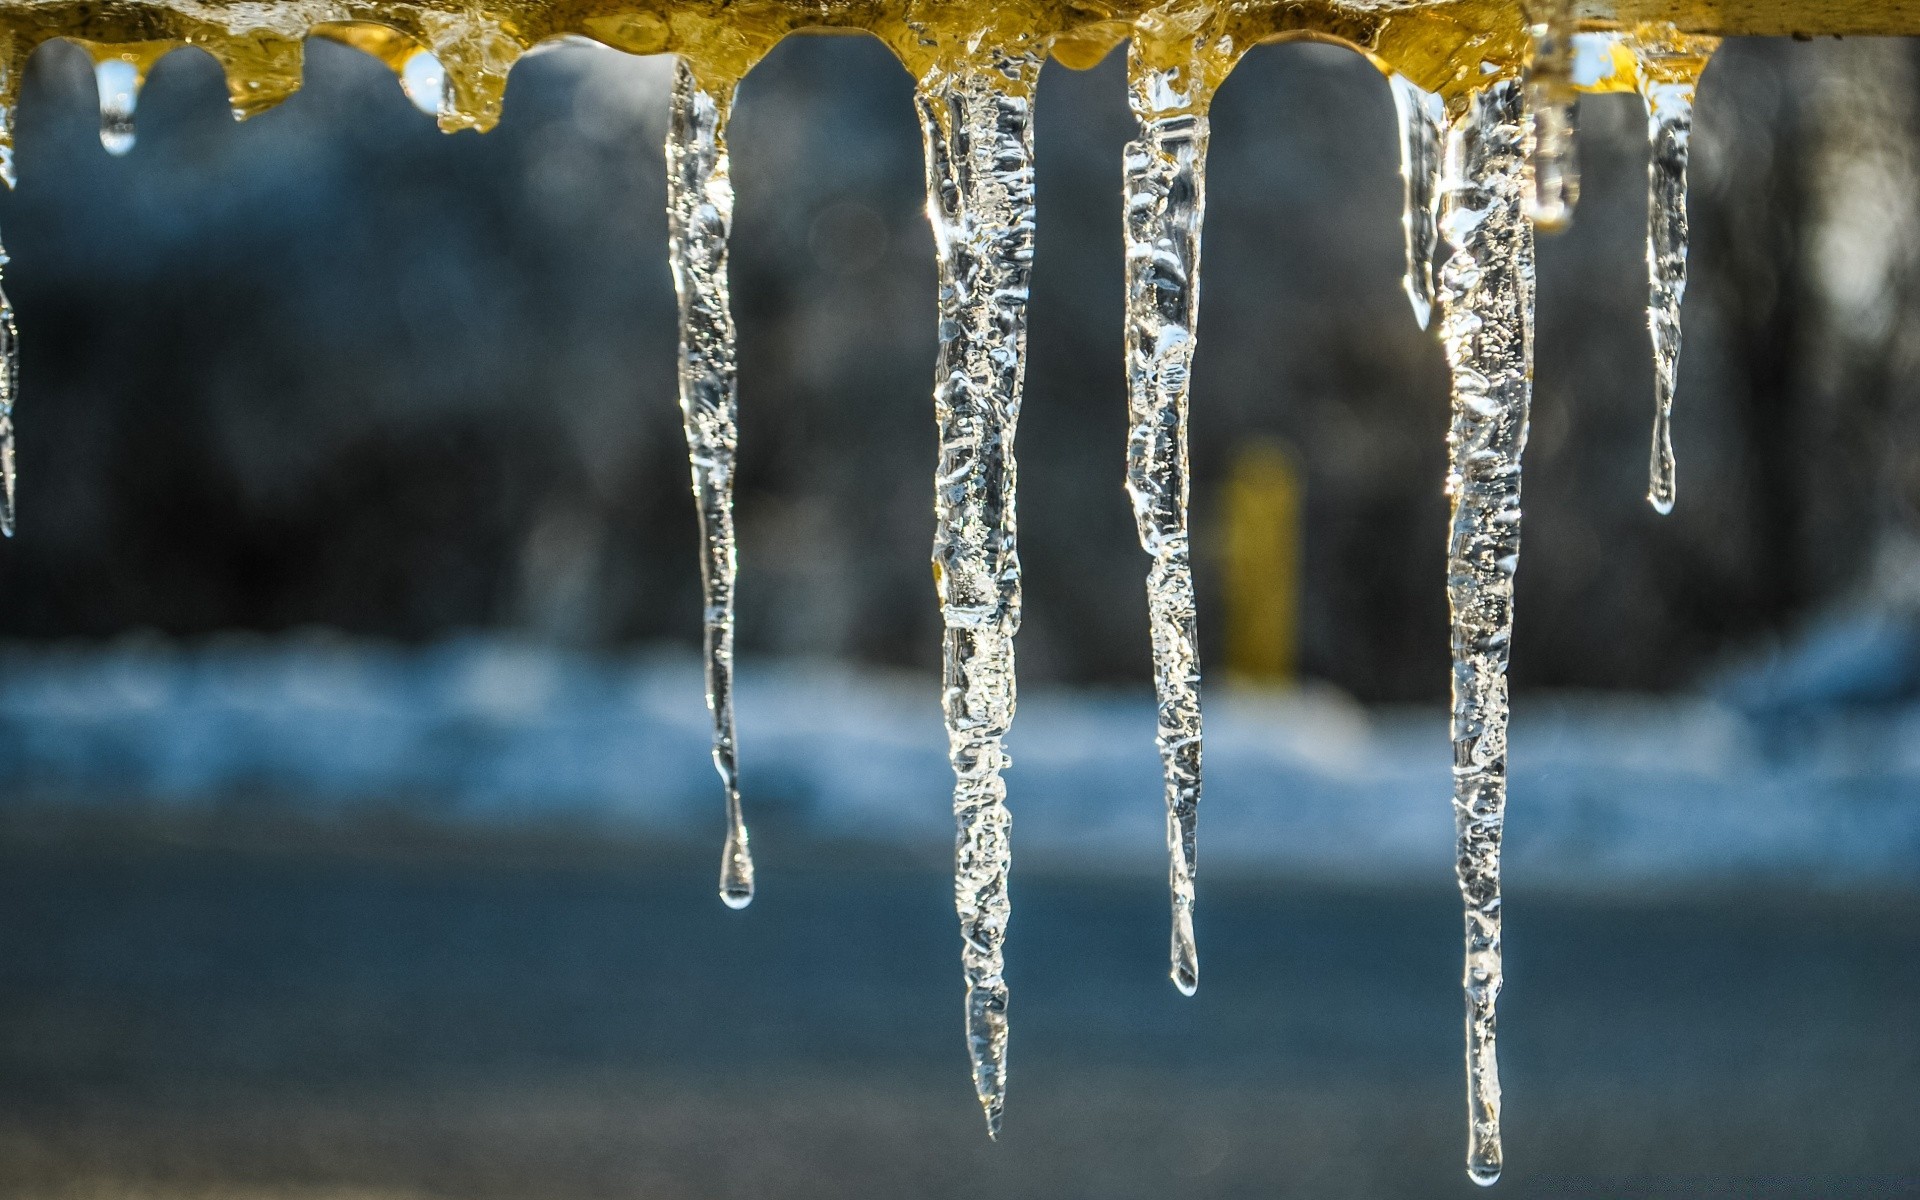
(699,222)
(976,120)
(1165,199)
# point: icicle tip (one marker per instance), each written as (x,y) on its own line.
(736,873)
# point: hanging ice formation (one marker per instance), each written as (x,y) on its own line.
(1164,201)
(976,114)
(1550,98)
(1667,70)
(1422,117)
(1486,304)
(118,80)
(1484,91)
(699,221)
(9,390)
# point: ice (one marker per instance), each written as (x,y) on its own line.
(424,81)
(1550,99)
(976,121)
(1668,71)
(1165,200)
(1486,293)
(9,390)
(119,84)
(1423,122)
(699,221)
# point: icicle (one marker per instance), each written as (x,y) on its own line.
(699,220)
(1550,101)
(975,118)
(1165,200)
(119,83)
(1486,300)
(1668,69)
(1423,122)
(424,81)
(9,390)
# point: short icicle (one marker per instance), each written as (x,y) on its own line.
(699,220)
(976,118)
(1486,292)
(1423,123)
(1165,199)
(1550,99)
(119,81)
(1669,69)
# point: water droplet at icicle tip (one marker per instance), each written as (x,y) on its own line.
(700,224)
(118,82)
(976,110)
(1486,295)
(1667,70)
(1164,204)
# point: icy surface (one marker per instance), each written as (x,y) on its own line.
(1423,121)
(699,221)
(119,84)
(1486,301)
(976,121)
(1165,199)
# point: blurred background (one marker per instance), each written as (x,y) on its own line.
(359,827)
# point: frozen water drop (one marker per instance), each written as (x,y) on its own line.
(424,81)
(119,84)
(1486,300)
(1423,121)
(976,122)
(699,224)
(1164,203)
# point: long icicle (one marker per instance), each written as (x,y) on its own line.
(1423,122)
(1486,293)
(9,391)
(699,220)
(976,119)
(1165,200)
(1668,71)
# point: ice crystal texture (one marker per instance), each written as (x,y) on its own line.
(976,119)
(699,220)
(1486,292)
(1164,199)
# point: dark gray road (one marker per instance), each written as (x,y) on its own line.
(190,1023)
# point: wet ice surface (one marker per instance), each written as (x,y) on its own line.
(700,222)
(976,120)
(494,735)
(1165,201)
